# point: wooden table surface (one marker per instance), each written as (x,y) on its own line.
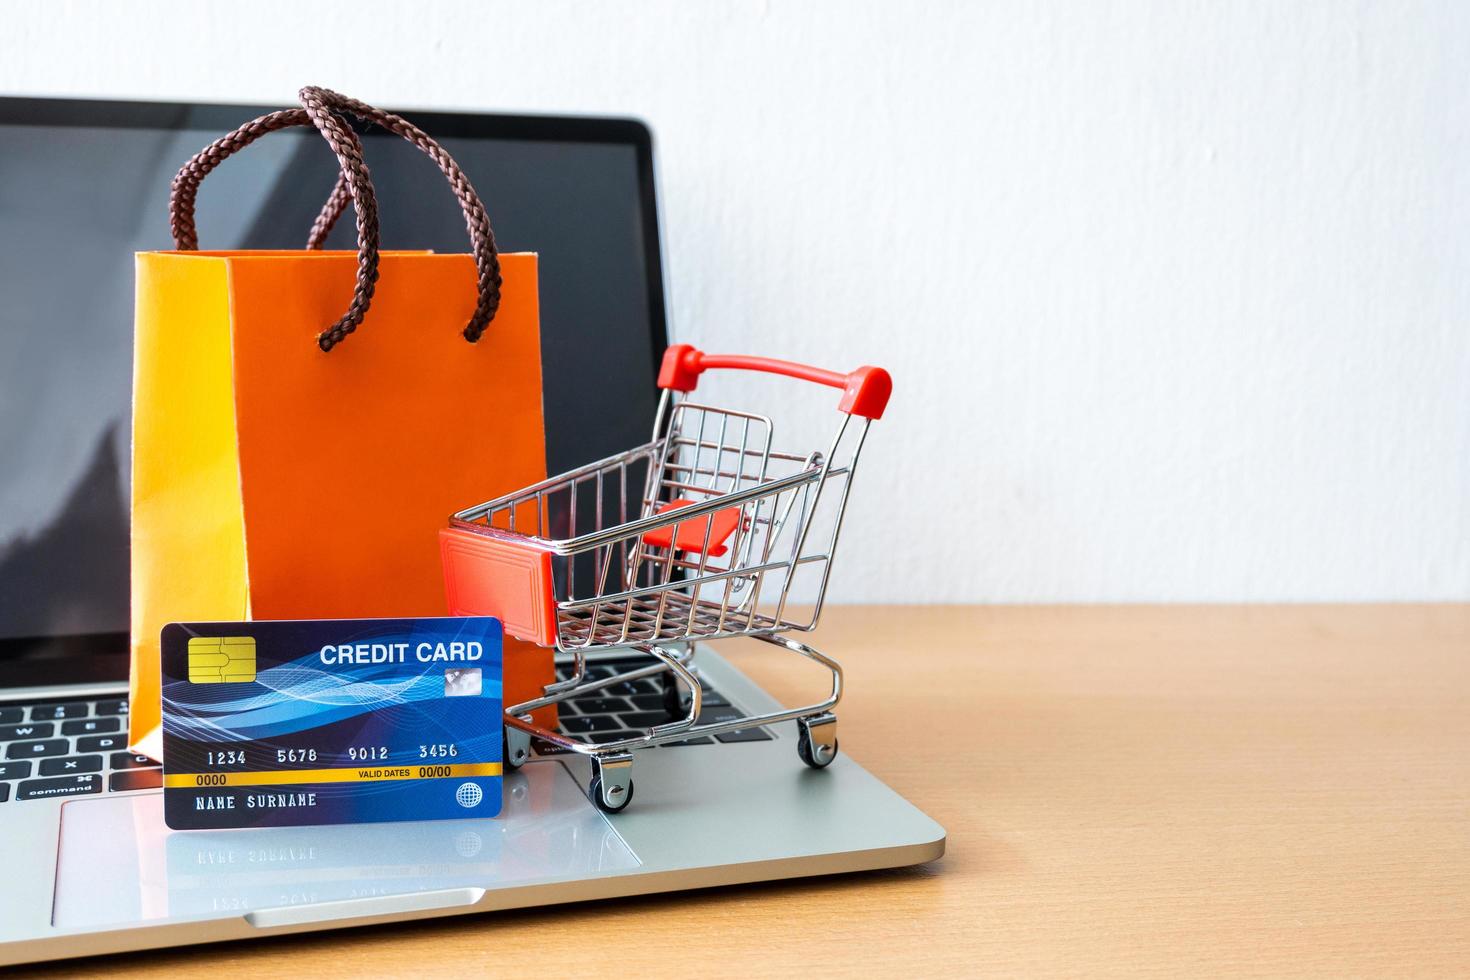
(1174,791)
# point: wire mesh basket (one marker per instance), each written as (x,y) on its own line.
(699,534)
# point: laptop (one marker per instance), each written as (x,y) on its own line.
(90,866)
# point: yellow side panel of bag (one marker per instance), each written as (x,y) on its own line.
(188,530)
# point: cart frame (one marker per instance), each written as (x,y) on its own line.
(714,516)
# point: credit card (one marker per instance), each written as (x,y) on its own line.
(279,724)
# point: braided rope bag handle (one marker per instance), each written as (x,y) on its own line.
(482,239)
(322,109)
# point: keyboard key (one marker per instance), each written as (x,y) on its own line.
(35,729)
(716,715)
(9,716)
(623,666)
(126,760)
(40,789)
(710,698)
(583,724)
(91,726)
(103,743)
(648,702)
(14,770)
(629,688)
(118,706)
(121,782)
(600,706)
(697,740)
(36,750)
(713,715)
(745,735)
(601,668)
(644,719)
(4,792)
(56,712)
(71,765)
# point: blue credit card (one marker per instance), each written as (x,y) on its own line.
(276,724)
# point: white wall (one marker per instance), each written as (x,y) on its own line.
(1175,294)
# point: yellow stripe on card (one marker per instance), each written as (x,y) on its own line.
(366,774)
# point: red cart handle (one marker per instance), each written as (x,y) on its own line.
(864,391)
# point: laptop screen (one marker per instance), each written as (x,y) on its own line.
(84,185)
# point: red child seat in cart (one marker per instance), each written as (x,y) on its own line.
(691,534)
(698,534)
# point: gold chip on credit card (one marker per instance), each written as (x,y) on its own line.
(221,659)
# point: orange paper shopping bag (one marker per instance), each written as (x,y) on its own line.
(291,461)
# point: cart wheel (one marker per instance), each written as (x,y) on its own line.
(600,798)
(612,782)
(515,748)
(816,740)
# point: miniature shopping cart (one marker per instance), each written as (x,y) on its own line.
(699,534)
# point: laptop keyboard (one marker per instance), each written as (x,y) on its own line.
(628,709)
(69,748)
(80,748)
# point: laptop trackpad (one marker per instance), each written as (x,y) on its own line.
(120,864)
